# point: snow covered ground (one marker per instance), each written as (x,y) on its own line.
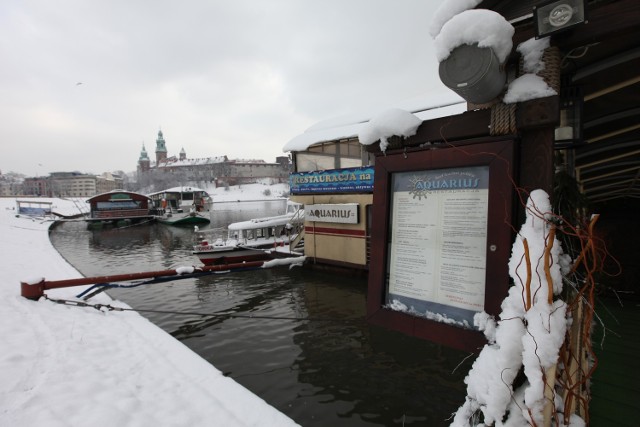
(71,366)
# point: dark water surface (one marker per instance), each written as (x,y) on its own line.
(335,371)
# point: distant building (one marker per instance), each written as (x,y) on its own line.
(70,184)
(36,186)
(10,184)
(219,170)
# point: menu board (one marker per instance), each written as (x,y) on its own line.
(437,242)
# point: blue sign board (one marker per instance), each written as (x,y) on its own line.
(348,180)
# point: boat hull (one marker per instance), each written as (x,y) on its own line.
(231,256)
(183,221)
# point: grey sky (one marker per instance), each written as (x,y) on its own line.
(235,77)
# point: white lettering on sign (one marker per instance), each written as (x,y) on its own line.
(345,213)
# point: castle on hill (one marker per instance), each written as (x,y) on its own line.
(219,170)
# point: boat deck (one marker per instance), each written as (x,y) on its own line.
(615,385)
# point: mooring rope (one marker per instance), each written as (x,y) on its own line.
(109,307)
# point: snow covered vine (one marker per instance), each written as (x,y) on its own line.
(528,335)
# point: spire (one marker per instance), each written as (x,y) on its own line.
(160,143)
(161,148)
(143,153)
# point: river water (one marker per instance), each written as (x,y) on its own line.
(333,371)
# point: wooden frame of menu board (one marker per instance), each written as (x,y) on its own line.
(441,239)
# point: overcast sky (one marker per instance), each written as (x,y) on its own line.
(83,83)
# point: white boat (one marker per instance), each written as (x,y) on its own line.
(182,206)
(255,239)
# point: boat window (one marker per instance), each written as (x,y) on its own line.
(187,196)
(330,155)
(115,205)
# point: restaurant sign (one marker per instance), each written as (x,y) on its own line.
(348,180)
(344,213)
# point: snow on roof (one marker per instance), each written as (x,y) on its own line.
(247,161)
(173,162)
(178,190)
(387,124)
(350,126)
(256,223)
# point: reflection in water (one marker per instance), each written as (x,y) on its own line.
(114,240)
(335,370)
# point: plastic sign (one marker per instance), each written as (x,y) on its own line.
(348,180)
(344,213)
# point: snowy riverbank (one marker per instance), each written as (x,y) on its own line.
(71,366)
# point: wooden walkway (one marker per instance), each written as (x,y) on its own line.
(615,385)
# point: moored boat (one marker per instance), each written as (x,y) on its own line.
(118,208)
(255,239)
(182,206)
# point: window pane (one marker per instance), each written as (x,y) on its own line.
(354,149)
(306,162)
(330,148)
(346,162)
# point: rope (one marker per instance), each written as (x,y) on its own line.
(503,119)
(109,307)
(503,116)
(551,72)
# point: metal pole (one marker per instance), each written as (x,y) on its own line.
(36,290)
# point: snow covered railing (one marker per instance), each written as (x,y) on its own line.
(34,288)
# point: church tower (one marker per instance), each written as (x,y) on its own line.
(144,164)
(183,154)
(161,149)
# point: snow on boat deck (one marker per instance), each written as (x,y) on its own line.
(71,366)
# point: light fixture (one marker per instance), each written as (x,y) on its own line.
(568,133)
(558,15)
(474,73)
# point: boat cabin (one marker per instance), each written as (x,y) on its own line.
(34,208)
(268,228)
(119,205)
(181,199)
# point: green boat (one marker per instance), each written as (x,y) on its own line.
(182,206)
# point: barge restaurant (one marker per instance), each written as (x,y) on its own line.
(118,208)
(575,136)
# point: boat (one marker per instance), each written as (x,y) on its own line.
(255,239)
(182,206)
(118,208)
